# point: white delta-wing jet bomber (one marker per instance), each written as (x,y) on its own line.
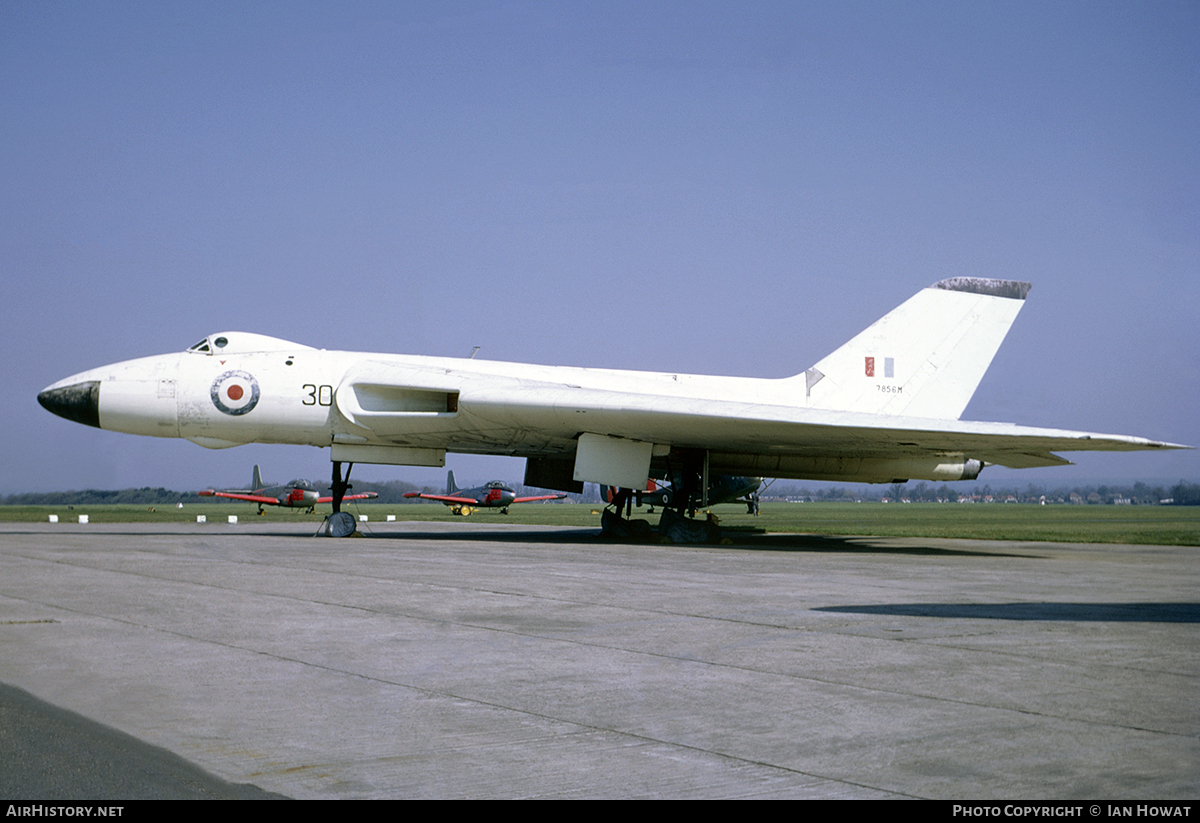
(882,408)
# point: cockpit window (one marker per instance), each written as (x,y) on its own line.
(203,346)
(240,342)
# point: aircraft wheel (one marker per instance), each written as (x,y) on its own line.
(340,524)
(465,511)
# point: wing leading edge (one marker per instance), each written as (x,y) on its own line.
(443,498)
(250,498)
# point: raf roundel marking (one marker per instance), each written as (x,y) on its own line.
(234,392)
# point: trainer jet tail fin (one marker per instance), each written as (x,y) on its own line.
(924,358)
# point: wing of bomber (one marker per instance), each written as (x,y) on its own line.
(778,441)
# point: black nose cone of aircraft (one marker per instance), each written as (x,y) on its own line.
(80,402)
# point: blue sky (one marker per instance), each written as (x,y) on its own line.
(704,187)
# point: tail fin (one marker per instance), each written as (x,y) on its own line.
(923,358)
(256,480)
(451,486)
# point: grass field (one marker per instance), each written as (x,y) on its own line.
(1155,525)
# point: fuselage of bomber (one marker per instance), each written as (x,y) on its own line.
(299,395)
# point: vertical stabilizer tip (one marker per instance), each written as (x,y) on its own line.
(1014,289)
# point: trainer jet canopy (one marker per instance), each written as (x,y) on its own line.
(883,408)
(493,495)
(299,494)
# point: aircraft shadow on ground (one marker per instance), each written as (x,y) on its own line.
(859,544)
(1077,612)
(747,542)
(51,753)
(811,543)
(588,536)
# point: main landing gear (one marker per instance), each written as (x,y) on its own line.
(678,523)
(340,523)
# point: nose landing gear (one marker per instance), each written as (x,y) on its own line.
(340,523)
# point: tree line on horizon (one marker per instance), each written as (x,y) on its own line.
(392,492)
(1139,493)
